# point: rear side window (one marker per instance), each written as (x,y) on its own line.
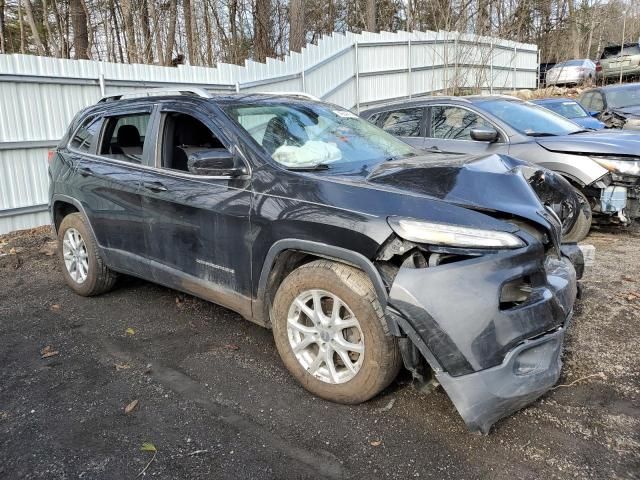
(84,136)
(124,136)
(403,123)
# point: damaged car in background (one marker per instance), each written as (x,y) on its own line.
(360,252)
(617,106)
(603,167)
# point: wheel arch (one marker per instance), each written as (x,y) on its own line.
(287,254)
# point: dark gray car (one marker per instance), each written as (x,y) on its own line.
(603,167)
(617,106)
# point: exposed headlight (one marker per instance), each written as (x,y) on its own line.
(621,165)
(451,235)
(632,123)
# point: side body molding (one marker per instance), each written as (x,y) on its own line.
(329,252)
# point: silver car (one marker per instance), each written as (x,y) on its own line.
(572,72)
(603,166)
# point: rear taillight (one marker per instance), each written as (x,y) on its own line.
(51,154)
(598,67)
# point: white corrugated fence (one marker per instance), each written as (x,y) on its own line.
(40,95)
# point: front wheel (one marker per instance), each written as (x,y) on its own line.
(330,331)
(581,227)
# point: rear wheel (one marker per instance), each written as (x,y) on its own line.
(330,331)
(581,227)
(81,263)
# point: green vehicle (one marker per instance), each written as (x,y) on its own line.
(619,59)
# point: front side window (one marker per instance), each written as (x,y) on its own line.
(529,119)
(455,123)
(183,135)
(587,100)
(123,137)
(403,123)
(597,104)
(84,136)
(310,134)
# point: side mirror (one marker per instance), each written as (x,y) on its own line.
(215,162)
(594,114)
(484,134)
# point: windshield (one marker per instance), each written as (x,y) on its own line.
(530,119)
(626,97)
(299,135)
(568,109)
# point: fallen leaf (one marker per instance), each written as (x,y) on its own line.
(148,447)
(130,331)
(55,307)
(628,278)
(232,346)
(376,443)
(122,366)
(631,297)
(12,251)
(48,351)
(129,408)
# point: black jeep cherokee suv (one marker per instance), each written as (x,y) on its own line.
(358,251)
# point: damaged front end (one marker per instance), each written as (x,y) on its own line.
(486,309)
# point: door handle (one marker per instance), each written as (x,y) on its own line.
(85,171)
(434,148)
(154,186)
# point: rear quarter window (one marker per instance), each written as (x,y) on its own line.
(84,136)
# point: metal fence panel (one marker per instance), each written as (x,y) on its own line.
(39,96)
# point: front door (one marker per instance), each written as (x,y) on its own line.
(449,131)
(198,226)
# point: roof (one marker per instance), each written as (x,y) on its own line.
(553,100)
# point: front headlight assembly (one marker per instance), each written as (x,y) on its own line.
(632,124)
(452,235)
(618,164)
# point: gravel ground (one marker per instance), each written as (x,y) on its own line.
(215,401)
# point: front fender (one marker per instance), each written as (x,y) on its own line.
(580,168)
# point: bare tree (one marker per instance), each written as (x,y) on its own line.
(371,16)
(262,36)
(297,26)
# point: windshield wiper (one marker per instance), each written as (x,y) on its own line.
(584,130)
(541,134)
(310,168)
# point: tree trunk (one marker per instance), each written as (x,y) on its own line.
(371,16)
(129,31)
(45,19)
(156,31)
(80,32)
(171,37)
(114,19)
(262,40)
(145,19)
(21,22)
(297,37)
(3,47)
(188,31)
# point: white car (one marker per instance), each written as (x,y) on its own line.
(571,72)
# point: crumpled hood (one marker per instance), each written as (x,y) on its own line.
(596,143)
(631,111)
(495,183)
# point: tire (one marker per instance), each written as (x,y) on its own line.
(373,369)
(581,228)
(98,278)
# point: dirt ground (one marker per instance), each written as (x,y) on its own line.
(216,402)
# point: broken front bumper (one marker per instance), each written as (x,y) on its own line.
(491,360)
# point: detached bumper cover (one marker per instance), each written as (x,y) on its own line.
(481,349)
(527,372)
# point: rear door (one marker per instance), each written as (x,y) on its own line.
(198,226)
(449,131)
(108,182)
